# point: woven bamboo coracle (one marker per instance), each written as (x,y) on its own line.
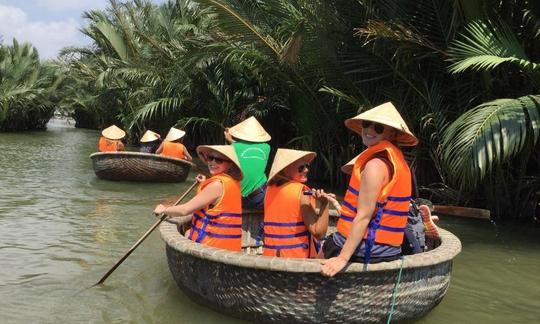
(134,166)
(271,289)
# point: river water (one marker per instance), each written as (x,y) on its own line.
(61,229)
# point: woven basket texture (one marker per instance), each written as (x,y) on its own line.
(134,166)
(269,289)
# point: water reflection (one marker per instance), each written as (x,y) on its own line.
(61,229)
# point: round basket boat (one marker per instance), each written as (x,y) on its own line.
(134,166)
(270,289)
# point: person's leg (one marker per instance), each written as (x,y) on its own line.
(246,203)
(258,199)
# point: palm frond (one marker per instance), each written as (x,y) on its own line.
(376,29)
(239,28)
(485,46)
(342,96)
(427,22)
(200,122)
(489,135)
(160,107)
(532,22)
(113,37)
(139,76)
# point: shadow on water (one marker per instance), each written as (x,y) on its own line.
(61,229)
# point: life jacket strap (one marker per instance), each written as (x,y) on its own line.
(372,228)
(283,236)
(286,247)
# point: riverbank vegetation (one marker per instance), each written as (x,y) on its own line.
(464,74)
(28,95)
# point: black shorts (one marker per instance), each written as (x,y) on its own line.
(330,250)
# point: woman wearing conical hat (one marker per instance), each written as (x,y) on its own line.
(292,228)
(111,139)
(150,142)
(249,140)
(374,212)
(172,145)
(217,207)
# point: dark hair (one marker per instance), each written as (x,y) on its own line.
(278,179)
(234,171)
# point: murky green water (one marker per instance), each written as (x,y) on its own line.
(61,229)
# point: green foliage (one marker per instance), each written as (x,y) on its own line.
(27,88)
(492,143)
(488,136)
(302,67)
(486,46)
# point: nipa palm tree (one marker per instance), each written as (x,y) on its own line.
(493,143)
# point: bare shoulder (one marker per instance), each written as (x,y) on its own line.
(376,169)
(214,185)
(375,164)
(212,190)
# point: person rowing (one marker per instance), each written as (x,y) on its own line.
(217,207)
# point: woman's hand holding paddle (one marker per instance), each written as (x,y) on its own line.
(161,209)
(145,235)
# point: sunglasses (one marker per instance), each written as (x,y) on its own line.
(303,167)
(210,158)
(379,128)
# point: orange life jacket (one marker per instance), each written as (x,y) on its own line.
(285,234)
(107,145)
(390,217)
(173,149)
(220,225)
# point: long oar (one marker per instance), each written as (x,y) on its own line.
(156,224)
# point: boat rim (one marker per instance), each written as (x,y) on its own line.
(450,246)
(140,154)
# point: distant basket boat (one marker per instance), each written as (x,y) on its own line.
(270,289)
(134,166)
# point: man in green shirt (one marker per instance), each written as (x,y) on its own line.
(249,140)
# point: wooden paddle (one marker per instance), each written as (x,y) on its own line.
(156,224)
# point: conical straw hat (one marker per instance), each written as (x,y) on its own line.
(347,168)
(149,136)
(285,157)
(113,132)
(388,115)
(174,134)
(227,150)
(250,130)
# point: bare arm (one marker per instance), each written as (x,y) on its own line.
(317,224)
(374,177)
(160,148)
(208,195)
